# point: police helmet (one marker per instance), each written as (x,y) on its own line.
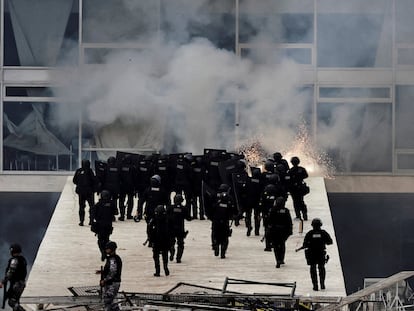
(269,166)
(111,245)
(86,163)
(280,202)
(224,188)
(316,223)
(241,164)
(295,160)
(156,178)
(15,248)
(277,156)
(111,160)
(178,198)
(105,195)
(188,157)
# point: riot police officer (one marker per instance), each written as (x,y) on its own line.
(315,252)
(183,180)
(153,196)
(111,276)
(296,176)
(279,160)
(177,213)
(160,238)
(86,184)
(102,215)
(222,211)
(127,188)
(142,182)
(198,175)
(16,272)
(279,228)
(255,189)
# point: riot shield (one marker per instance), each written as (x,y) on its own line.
(227,168)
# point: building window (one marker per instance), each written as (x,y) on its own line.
(357,136)
(36,138)
(40,33)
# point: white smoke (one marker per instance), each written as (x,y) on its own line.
(204,96)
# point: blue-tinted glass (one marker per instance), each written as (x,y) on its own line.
(342,43)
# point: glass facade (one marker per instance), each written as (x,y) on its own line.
(87,78)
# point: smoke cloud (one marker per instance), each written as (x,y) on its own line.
(185,91)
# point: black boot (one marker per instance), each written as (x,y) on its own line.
(314,277)
(157,265)
(223,251)
(172,253)
(180,251)
(166,271)
(322,273)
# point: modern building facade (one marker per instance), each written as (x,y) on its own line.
(84,78)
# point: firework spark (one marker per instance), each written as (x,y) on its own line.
(316,162)
(254,153)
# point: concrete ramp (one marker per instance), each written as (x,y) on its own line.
(69,256)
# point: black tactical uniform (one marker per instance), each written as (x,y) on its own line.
(212,176)
(153,196)
(297,174)
(86,184)
(102,215)
(111,277)
(162,168)
(278,160)
(240,182)
(198,175)
(267,200)
(315,251)
(16,272)
(222,211)
(144,173)
(127,188)
(183,180)
(279,228)
(160,238)
(177,213)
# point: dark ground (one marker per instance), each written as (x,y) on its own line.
(375,232)
(24,217)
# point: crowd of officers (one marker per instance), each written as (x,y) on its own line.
(217,185)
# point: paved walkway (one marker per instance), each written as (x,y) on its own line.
(68,255)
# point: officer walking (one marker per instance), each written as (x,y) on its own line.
(177,213)
(296,176)
(315,252)
(153,196)
(160,238)
(86,184)
(102,215)
(279,229)
(222,211)
(16,273)
(111,276)
(127,188)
